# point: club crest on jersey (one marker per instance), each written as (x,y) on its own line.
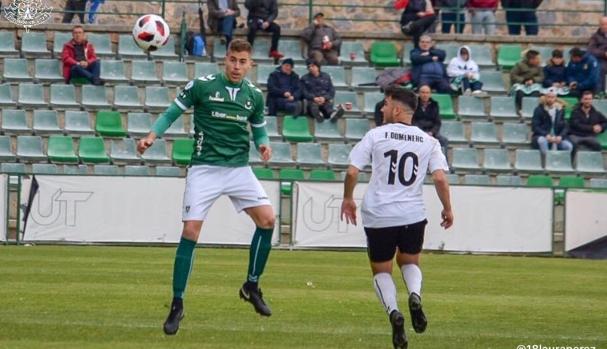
(233,92)
(248,105)
(216,98)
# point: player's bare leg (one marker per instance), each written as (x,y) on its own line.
(181,272)
(386,292)
(264,219)
(412,275)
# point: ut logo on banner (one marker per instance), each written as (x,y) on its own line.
(61,207)
(324,216)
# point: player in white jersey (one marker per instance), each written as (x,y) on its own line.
(393,212)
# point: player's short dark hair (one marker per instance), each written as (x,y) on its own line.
(531,54)
(576,52)
(240,45)
(402,95)
(586,93)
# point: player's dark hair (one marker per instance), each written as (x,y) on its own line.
(402,95)
(240,45)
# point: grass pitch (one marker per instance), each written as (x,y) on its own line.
(118,297)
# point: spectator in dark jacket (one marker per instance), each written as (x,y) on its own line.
(262,14)
(554,71)
(222,17)
(598,48)
(427,116)
(319,93)
(482,15)
(582,72)
(323,41)
(284,91)
(549,126)
(417,18)
(79,59)
(586,123)
(522,15)
(453,14)
(428,66)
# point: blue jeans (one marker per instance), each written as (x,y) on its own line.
(91,72)
(225,26)
(474,86)
(544,146)
(451,19)
(93,10)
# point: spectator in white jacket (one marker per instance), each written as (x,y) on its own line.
(464,73)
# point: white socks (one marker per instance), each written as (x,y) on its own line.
(413,278)
(386,291)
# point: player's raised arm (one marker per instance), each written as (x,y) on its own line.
(442,189)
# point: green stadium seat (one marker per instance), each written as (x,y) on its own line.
(338,155)
(6,151)
(327,131)
(92,150)
(263,72)
(78,170)
(508,56)
(465,159)
(602,138)
(272,127)
(471,107)
(60,39)
(364,76)
(175,73)
(177,129)
(12,168)
(296,129)
(281,154)
(15,69)
(558,161)
(309,154)
(539,181)
(48,70)
(46,122)
(168,171)
(454,131)
(136,170)
(139,124)
(384,54)
(205,68)
(503,108)
(342,97)
(45,169)
(590,162)
(79,81)
(109,124)
(106,170)
(515,134)
(167,51)
(407,53)
(445,104)
(7,44)
(571,182)
(598,183)
(29,149)
(528,161)
(337,73)
(261,49)
(497,160)
(471,179)
(157,97)
(219,50)
(263,173)
(292,49)
(482,55)
(126,97)
(94,97)
(63,96)
(124,151)
(77,122)
(529,105)
(371,99)
(102,44)
(484,133)
(34,44)
(356,129)
(157,153)
(6,98)
(61,149)
(287,177)
(493,82)
(113,71)
(349,47)
(509,180)
(570,103)
(31,95)
(182,151)
(14,121)
(143,71)
(128,48)
(322,175)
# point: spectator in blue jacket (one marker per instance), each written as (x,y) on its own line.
(582,72)
(554,73)
(548,124)
(284,90)
(428,66)
(319,93)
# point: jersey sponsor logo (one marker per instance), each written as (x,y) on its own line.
(216,98)
(248,105)
(221,115)
(233,91)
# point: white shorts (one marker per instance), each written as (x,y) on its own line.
(205,184)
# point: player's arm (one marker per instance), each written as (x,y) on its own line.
(438,166)
(360,157)
(258,129)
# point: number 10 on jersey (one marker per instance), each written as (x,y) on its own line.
(399,165)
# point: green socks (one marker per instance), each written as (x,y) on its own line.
(259,253)
(183,266)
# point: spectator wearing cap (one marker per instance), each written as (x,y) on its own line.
(417,18)
(548,124)
(323,41)
(554,73)
(318,91)
(598,48)
(582,72)
(262,14)
(526,77)
(428,66)
(284,90)
(222,17)
(482,15)
(521,13)
(586,124)
(79,59)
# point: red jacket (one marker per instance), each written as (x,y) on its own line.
(482,4)
(68,56)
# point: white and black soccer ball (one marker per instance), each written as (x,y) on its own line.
(151,32)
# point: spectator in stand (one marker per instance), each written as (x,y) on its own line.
(323,41)
(427,116)
(94,7)
(284,90)
(521,13)
(482,16)
(262,14)
(417,18)
(582,72)
(222,18)
(428,66)
(453,14)
(555,73)
(79,59)
(526,77)
(586,124)
(319,93)
(548,124)
(74,7)
(464,73)
(598,48)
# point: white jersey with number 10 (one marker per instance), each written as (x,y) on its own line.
(400,156)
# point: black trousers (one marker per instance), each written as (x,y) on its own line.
(255,25)
(74,5)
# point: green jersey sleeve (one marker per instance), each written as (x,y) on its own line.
(258,123)
(187,97)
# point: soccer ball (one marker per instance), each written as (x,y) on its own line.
(150,32)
